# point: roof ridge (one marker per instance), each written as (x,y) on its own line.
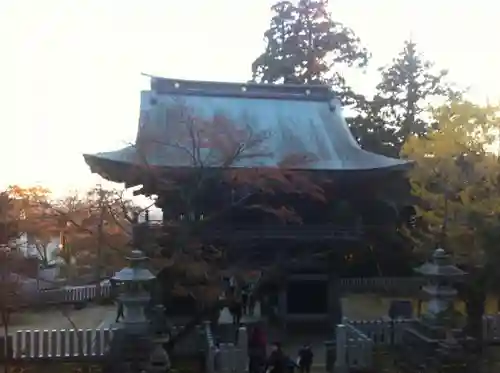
(164,85)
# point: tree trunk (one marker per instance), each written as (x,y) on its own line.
(6,348)
(475,306)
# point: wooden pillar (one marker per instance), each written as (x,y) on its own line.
(282,305)
(334,296)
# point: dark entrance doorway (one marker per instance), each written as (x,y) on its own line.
(307,297)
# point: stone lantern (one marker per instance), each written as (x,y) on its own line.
(441,275)
(433,339)
(134,295)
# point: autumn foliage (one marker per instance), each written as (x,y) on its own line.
(202,152)
(213,168)
(90,228)
(456,180)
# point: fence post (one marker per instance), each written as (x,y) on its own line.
(341,341)
(242,345)
(6,348)
(210,349)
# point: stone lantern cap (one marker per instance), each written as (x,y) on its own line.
(135,272)
(440,266)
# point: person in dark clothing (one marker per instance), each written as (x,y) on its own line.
(244,299)
(305,360)
(236,312)
(251,304)
(119,312)
(257,350)
(115,292)
(277,362)
(290,365)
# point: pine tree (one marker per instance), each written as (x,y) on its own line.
(369,127)
(275,64)
(407,88)
(304,45)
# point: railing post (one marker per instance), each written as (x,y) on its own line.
(243,347)
(210,349)
(341,341)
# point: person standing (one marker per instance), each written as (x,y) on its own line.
(232,286)
(115,291)
(119,312)
(236,311)
(277,362)
(305,360)
(257,346)
(244,298)
(251,303)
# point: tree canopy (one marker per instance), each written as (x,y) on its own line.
(75,229)
(209,188)
(407,89)
(456,178)
(305,45)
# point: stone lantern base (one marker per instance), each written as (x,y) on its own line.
(128,352)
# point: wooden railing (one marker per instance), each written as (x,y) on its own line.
(353,346)
(40,344)
(270,231)
(382,332)
(358,348)
(356,339)
(382,284)
(491,328)
(85,293)
(67,343)
(226,357)
(69,294)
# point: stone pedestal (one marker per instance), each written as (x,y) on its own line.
(430,339)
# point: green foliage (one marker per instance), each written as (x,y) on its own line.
(304,45)
(399,108)
(456,179)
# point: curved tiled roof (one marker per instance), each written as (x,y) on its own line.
(281,120)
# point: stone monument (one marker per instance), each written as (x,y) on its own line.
(137,344)
(441,275)
(431,341)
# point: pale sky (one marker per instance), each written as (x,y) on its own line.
(70,69)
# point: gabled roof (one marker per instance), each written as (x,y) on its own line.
(291,121)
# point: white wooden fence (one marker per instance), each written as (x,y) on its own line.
(226,357)
(491,328)
(354,345)
(358,348)
(89,292)
(356,338)
(381,284)
(39,344)
(74,294)
(382,332)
